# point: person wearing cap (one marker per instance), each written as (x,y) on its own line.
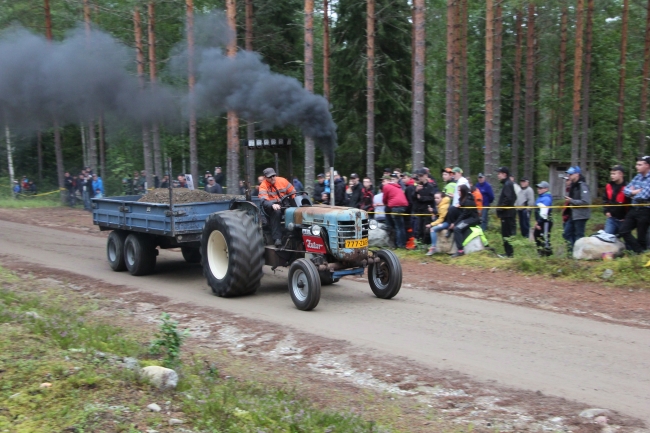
(355,191)
(319,188)
(423,204)
(213,187)
(505,209)
(449,184)
(272,190)
(395,201)
(578,195)
(639,216)
(457,174)
(525,197)
(615,195)
(488,197)
(543,220)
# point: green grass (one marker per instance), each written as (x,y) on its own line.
(51,336)
(628,271)
(7,200)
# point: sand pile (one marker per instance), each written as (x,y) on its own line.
(184,195)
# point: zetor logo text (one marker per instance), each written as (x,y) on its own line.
(314,244)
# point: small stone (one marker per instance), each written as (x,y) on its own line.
(602,420)
(130,363)
(161,377)
(607,274)
(14,395)
(174,421)
(556,420)
(45,385)
(153,407)
(33,315)
(592,413)
(99,354)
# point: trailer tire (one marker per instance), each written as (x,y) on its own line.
(232,253)
(191,255)
(139,254)
(385,276)
(115,250)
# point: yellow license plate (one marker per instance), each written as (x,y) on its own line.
(356,243)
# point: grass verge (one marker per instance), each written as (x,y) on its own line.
(62,369)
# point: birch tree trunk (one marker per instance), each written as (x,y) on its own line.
(418,85)
(496,92)
(587,85)
(250,127)
(10,157)
(577,83)
(370,90)
(559,140)
(232,176)
(449,93)
(489,86)
(516,99)
(644,87)
(189,16)
(155,129)
(308,181)
(529,127)
(146,139)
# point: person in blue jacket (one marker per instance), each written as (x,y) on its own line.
(488,198)
(98,184)
(543,220)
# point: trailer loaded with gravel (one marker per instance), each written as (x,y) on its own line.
(229,237)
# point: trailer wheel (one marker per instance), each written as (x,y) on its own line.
(304,284)
(139,254)
(115,250)
(385,276)
(326,278)
(232,253)
(191,255)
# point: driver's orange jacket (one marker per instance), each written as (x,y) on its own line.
(273,194)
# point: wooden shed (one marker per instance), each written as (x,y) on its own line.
(556,173)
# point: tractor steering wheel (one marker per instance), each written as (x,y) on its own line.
(289,196)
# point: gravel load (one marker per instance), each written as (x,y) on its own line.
(184,195)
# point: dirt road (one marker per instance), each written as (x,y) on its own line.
(596,363)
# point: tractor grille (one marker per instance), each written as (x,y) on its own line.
(347,230)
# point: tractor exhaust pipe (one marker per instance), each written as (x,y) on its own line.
(332,186)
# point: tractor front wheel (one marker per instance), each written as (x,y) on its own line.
(304,284)
(385,276)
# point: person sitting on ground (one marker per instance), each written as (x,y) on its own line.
(272,191)
(442,204)
(467,219)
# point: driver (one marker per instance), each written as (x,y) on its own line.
(272,190)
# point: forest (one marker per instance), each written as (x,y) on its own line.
(474,83)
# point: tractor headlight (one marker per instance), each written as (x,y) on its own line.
(315,230)
(291,226)
(373,224)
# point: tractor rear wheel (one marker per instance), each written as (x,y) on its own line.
(304,284)
(385,276)
(232,253)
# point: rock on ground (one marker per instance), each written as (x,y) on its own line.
(446,245)
(154,407)
(161,377)
(380,237)
(592,248)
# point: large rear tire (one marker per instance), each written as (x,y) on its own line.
(385,276)
(232,253)
(115,250)
(191,255)
(304,284)
(139,254)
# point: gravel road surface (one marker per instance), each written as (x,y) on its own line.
(599,364)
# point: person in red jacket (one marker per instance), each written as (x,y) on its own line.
(396,203)
(615,195)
